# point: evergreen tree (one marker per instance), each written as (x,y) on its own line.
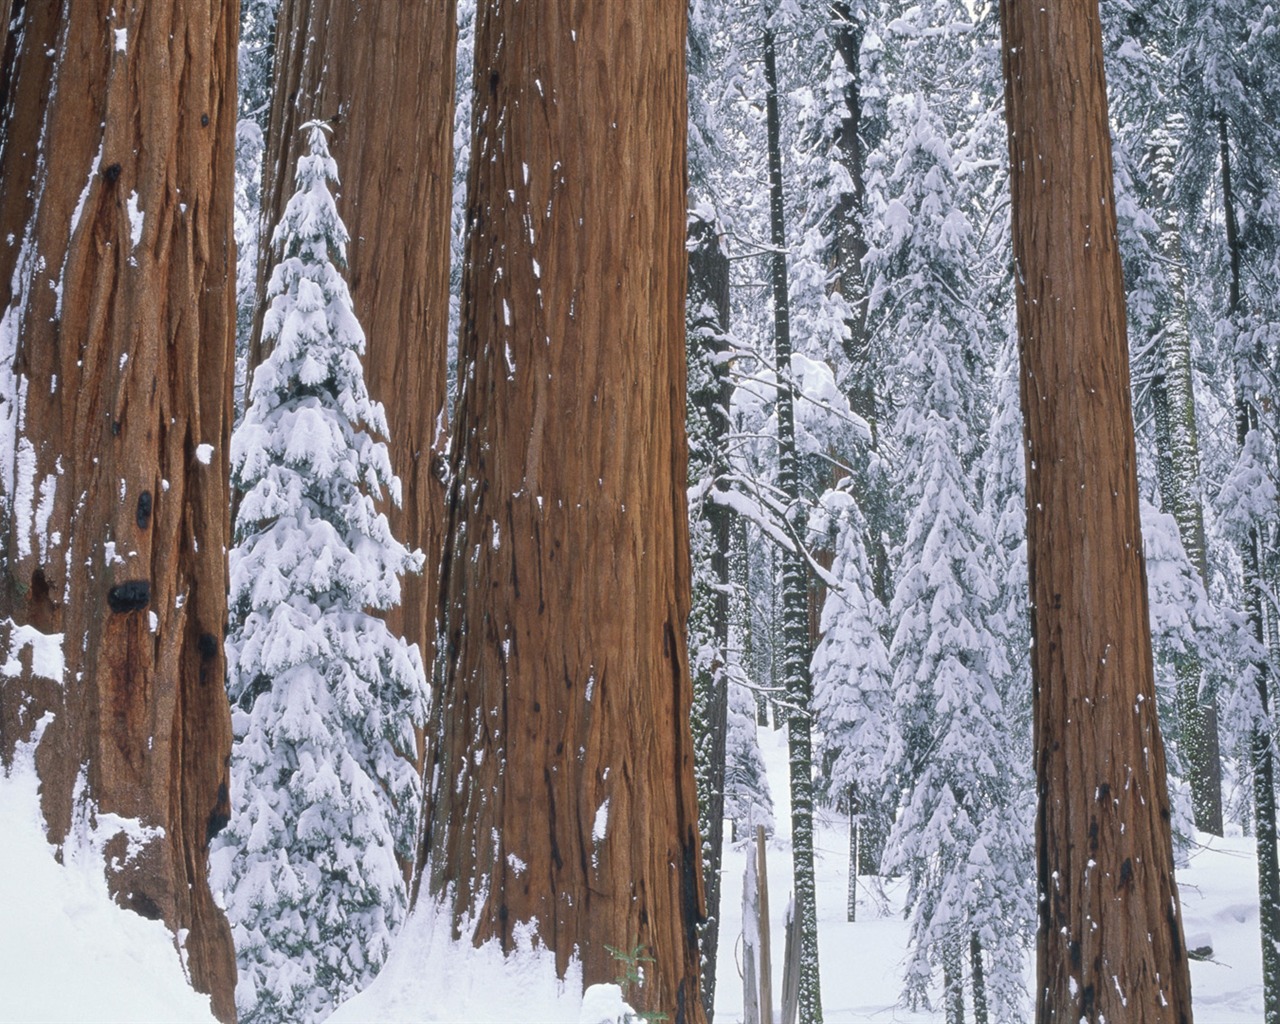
(1229,175)
(248,230)
(709,392)
(796,650)
(1146,120)
(257,58)
(1005,869)
(852,682)
(948,745)
(747,800)
(326,699)
(257,55)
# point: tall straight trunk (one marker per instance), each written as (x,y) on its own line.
(1178,472)
(795,584)
(847,256)
(564,791)
(116,342)
(708,325)
(851,892)
(1260,744)
(6,13)
(848,236)
(383,74)
(980,1011)
(1110,937)
(953,980)
(849,252)
(741,612)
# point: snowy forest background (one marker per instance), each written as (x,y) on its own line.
(857,527)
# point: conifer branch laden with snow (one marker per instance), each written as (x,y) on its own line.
(325,697)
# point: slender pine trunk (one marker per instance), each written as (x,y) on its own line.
(851,901)
(795,583)
(1178,473)
(980,1012)
(1264,789)
(708,325)
(953,980)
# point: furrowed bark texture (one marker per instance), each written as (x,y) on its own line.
(117,291)
(384,72)
(1110,940)
(563,787)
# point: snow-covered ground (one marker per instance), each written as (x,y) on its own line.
(68,954)
(862,963)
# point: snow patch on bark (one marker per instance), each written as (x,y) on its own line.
(136,219)
(47,661)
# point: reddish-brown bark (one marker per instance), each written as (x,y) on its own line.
(564,782)
(115,188)
(1110,942)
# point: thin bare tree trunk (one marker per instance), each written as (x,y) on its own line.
(383,73)
(564,780)
(115,377)
(1178,473)
(1110,939)
(796,646)
(6,13)
(953,980)
(980,1014)
(707,315)
(1260,741)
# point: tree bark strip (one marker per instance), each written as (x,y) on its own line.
(118,292)
(563,787)
(1110,940)
(384,74)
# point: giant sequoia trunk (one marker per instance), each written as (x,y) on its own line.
(117,291)
(383,73)
(564,777)
(1110,940)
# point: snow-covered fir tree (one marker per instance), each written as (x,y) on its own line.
(248,223)
(852,683)
(257,53)
(325,698)
(958,837)
(747,800)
